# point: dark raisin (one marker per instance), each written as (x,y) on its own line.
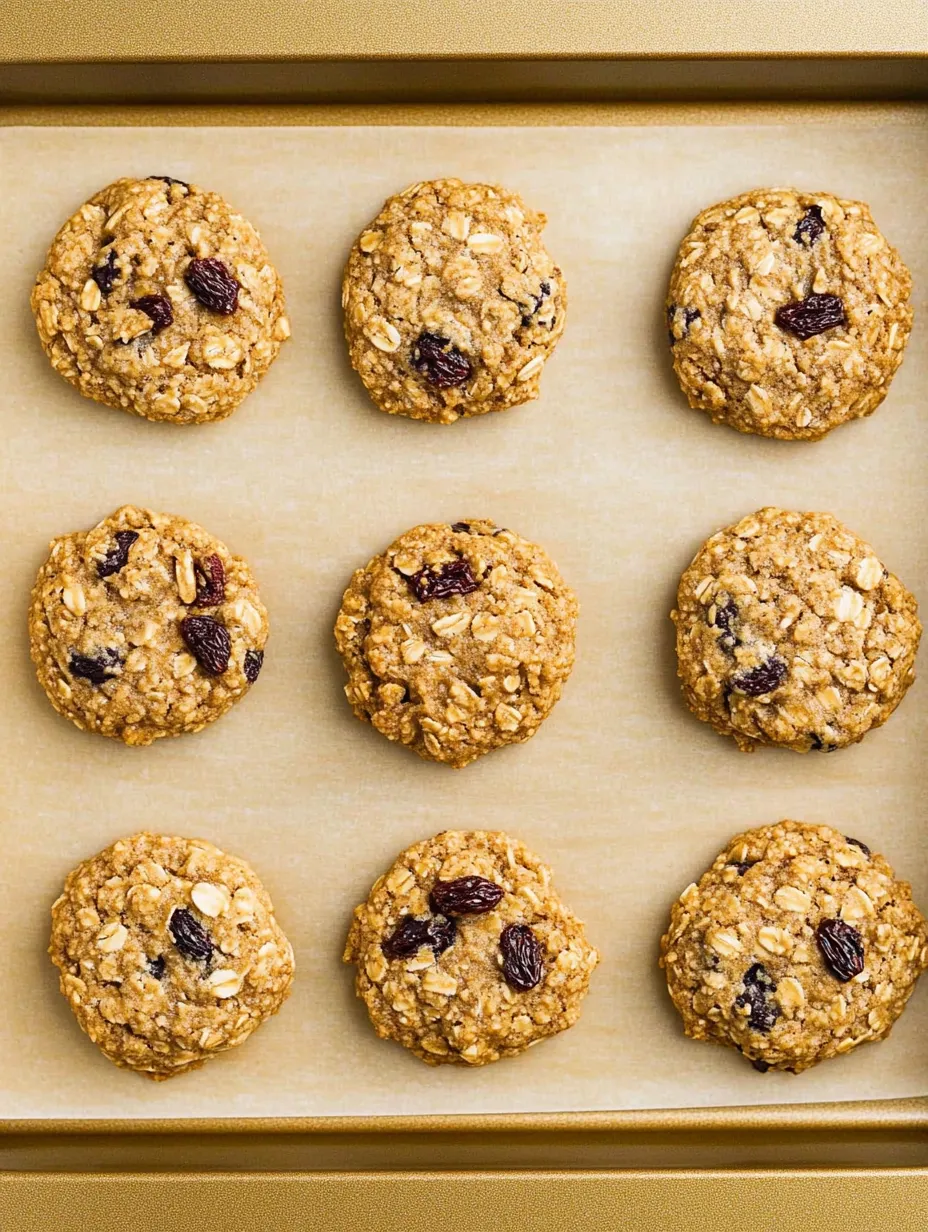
(105,275)
(117,557)
(857,843)
(725,618)
(461,527)
(156,966)
(455,578)
(213,284)
(190,937)
(810,226)
(762,679)
(254,661)
(758,988)
(742,865)
(810,316)
(412,934)
(208,642)
(169,180)
(522,963)
(98,668)
(465,896)
(842,949)
(211,582)
(441,363)
(157,308)
(685,320)
(543,292)
(760,1066)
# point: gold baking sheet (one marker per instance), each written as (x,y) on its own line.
(622,791)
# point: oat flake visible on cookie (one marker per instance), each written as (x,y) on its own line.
(797,945)
(791,631)
(157,298)
(465,953)
(452,305)
(457,640)
(788,313)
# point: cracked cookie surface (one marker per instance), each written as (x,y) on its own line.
(168,952)
(457,640)
(742,349)
(465,953)
(797,945)
(145,626)
(452,304)
(157,298)
(791,631)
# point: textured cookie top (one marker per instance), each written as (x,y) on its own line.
(791,631)
(452,305)
(168,951)
(145,626)
(797,945)
(788,313)
(158,298)
(465,953)
(457,639)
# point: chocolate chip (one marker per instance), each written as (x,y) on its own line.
(761,679)
(156,965)
(857,843)
(190,937)
(440,362)
(208,642)
(689,315)
(465,896)
(461,527)
(810,316)
(842,949)
(212,283)
(758,989)
(254,661)
(454,578)
(810,226)
(117,557)
(522,958)
(437,932)
(98,668)
(211,582)
(105,275)
(157,308)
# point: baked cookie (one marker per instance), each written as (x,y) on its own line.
(145,626)
(168,952)
(452,305)
(798,944)
(791,631)
(157,298)
(465,953)
(788,313)
(457,640)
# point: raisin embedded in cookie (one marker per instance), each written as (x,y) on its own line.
(452,305)
(465,953)
(157,298)
(797,945)
(788,313)
(457,640)
(791,631)
(145,626)
(168,952)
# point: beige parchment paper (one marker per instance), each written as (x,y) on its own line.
(622,791)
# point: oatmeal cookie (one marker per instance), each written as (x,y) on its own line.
(457,640)
(145,626)
(465,953)
(168,952)
(452,305)
(797,945)
(788,313)
(791,631)
(157,298)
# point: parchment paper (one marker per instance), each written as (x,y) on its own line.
(622,791)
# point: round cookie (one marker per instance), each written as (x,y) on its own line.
(797,945)
(465,953)
(788,313)
(145,626)
(457,640)
(157,298)
(168,952)
(452,305)
(791,631)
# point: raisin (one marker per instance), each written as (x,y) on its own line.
(543,292)
(412,934)
(440,362)
(211,582)
(208,642)
(465,896)
(461,527)
(521,950)
(169,180)
(842,949)
(105,275)
(760,1066)
(742,865)
(689,316)
(157,308)
(117,557)
(819,745)
(810,226)
(725,618)
(857,843)
(455,578)
(156,966)
(213,284)
(254,661)
(810,316)
(98,668)
(758,988)
(762,679)
(190,937)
